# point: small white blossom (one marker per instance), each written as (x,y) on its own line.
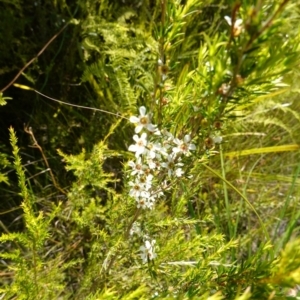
(147,181)
(217,139)
(169,137)
(169,164)
(184,146)
(153,149)
(137,167)
(140,146)
(237,26)
(151,163)
(142,121)
(148,251)
(145,202)
(154,164)
(137,188)
(135,228)
(156,195)
(179,172)
(142,203)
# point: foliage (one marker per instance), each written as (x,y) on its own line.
(224,224)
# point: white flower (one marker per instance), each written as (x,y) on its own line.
(147,181)
(140,146)
(179,172)
(169,164)
(141,203)
(155,150)
(169,138)
(135,228)
(156,195)
(237,26)
(138,188)
(152,149)
(145,202)
(217,139)
(184,146)
(154,164)
(148,251)
(137,167)
(151,164)
(142,121)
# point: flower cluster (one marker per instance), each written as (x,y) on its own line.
(148,251)
(158,159)
(237,26)
(158,156)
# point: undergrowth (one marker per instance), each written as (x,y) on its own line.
(183,182)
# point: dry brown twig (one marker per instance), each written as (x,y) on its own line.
(34,58)
(36,145)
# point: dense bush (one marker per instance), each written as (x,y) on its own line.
(155,150)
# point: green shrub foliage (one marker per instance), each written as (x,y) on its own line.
(136,184)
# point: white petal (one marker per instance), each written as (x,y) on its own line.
(132,148)
(131,163)
(142,110)
(139,152)
(145,194)
(187,138)
(136,138)
(134,119)
(144,136)
(228,20)
(177,142)
(217,139)
(176,150)
(151,127)
(148,245)
(238,23)
(138,128)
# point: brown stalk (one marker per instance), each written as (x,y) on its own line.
(36,145)
(34,58)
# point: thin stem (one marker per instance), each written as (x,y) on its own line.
(34,58)
(69,104)
(246,200)
(244,50)
(267,24)
(227,205)
(135,217)
(36,145)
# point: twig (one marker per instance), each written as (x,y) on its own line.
(69,104)
(267,24)
(36,145)
(34,58)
